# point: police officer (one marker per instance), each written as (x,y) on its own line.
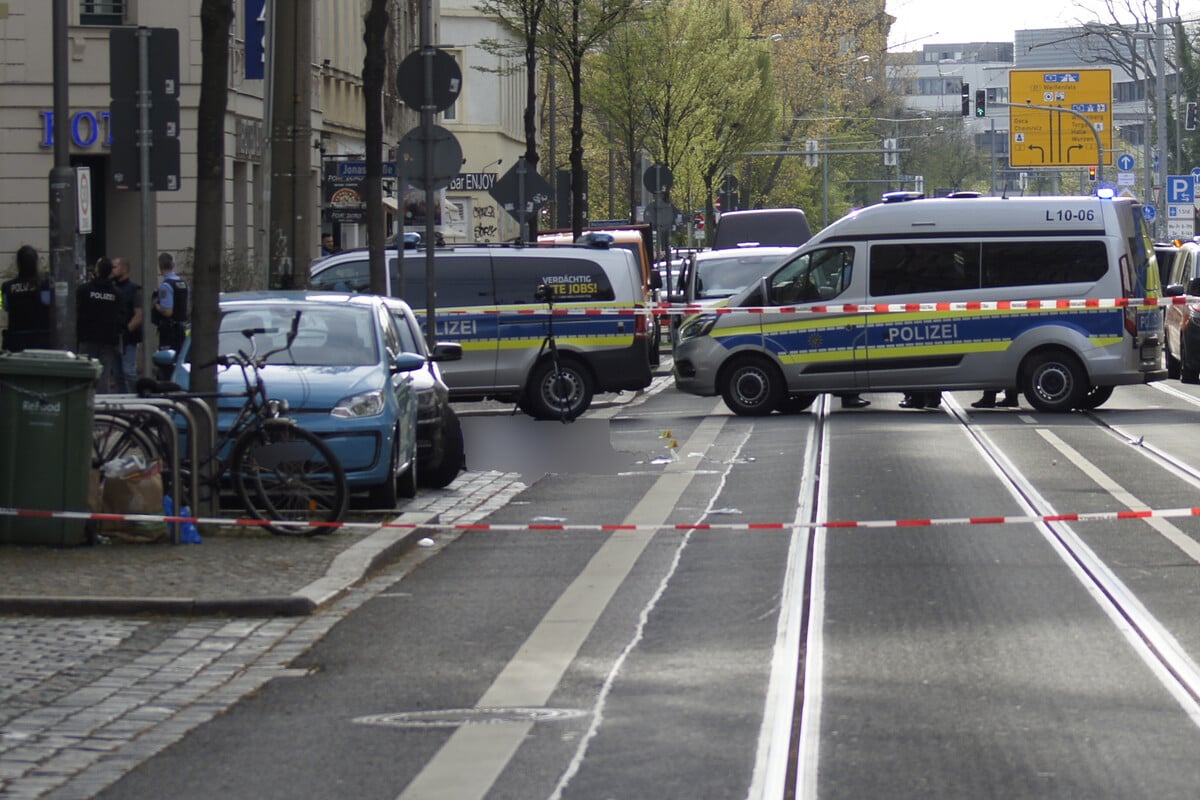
(131,333)
(170,313)
(100,317)
(26,298)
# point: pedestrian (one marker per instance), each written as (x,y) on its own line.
(131,334)
(328,248)
(988,400)
(170,312)
(921,399)
(99,314)
(27,300)
(853,400)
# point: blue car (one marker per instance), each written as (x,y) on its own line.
(345,378)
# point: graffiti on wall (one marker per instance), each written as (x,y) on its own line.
(487,229)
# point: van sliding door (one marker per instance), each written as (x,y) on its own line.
(464,290)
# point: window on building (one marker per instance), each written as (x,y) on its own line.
(102,12)
(451,113)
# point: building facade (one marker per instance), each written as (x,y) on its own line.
(486,119)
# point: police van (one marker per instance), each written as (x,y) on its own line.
(492,299)
(778,349)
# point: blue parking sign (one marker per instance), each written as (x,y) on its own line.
(1181,189)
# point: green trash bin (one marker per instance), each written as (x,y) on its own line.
(46,421)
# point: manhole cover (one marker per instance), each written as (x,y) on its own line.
(454,717)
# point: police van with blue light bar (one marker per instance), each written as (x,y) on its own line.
(773,351)
(488,300)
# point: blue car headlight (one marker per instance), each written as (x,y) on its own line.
(367,404)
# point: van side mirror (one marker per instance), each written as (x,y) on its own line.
(655,280)
(1193,286)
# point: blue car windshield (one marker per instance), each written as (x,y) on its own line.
(326,337)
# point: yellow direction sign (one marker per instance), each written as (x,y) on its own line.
(1043,138)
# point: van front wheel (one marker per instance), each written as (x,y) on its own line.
(1096,397)
(1054,381)
(751,387)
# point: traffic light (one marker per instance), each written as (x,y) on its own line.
(966,99)
(1092,174)
(980,103)
(1190,119)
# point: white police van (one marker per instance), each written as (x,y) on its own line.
(488,301)
(775,352)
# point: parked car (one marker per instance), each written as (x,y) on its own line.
(762,227)
(441,454)
(720,274)
(1181,324)
(713,276)
(347,378)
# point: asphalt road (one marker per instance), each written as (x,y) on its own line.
(949,660)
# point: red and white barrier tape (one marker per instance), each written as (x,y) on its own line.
(666,309)
(1091,516)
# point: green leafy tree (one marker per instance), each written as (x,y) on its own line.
(618,91)
(570,30)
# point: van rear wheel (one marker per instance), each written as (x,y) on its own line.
(564,395)
(1054,380)
(751,386)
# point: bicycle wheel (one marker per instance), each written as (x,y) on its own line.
(287,474)
(115,438)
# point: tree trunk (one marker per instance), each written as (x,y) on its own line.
(215,18)
(373,75)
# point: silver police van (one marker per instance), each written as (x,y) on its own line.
(778,346)
(494,300)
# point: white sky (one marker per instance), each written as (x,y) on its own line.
(922,22)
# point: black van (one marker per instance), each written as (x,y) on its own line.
(761,227)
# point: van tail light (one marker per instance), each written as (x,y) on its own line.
(1131,322)
(641,325)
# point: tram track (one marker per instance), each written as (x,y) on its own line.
(1158,648)
(793,774)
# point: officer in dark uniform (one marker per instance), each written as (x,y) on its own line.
(170,313)
(100,317)
(26,298)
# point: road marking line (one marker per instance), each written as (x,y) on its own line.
(1171,533)
(474,756)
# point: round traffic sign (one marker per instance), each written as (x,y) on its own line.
(1149,213)
(442,151)
(447,79)
(1125,162)
(658,178)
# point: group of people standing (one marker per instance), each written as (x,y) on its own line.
(109,319)
(923,399)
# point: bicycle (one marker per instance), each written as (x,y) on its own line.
(280,472)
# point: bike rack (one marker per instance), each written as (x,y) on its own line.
(199,422)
